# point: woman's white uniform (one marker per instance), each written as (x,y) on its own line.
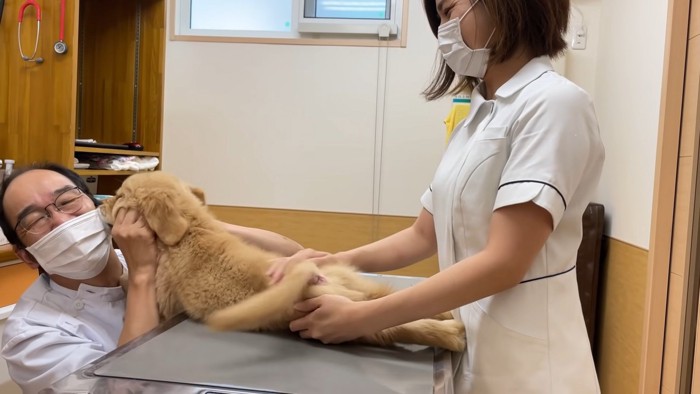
(54,331)
(538,141)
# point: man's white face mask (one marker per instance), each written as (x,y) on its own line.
(77,249)
(462,59)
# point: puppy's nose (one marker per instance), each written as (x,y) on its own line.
(103,217)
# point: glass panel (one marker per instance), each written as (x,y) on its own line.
(245,15)
(353,9)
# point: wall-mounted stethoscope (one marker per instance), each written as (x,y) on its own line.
(22,8)
(59,47)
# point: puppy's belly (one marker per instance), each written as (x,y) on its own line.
(207,288)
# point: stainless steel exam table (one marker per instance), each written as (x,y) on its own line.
(182,356)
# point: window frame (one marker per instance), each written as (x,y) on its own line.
(180,9)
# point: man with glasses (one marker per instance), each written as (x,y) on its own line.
(77,310)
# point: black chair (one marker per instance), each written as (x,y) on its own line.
(588,264)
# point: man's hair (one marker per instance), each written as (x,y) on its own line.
(9,230)
(537,25)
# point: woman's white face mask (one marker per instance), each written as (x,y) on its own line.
(457,54)
(77,249)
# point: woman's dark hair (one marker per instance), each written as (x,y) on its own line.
(538,25)
(8,230)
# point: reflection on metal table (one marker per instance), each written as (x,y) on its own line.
(182,356)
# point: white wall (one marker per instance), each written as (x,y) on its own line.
(628,95)
(581,64)
(622,69)
(294,126)
(289,126)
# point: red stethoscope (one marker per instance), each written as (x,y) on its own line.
(22,9)
(59,47)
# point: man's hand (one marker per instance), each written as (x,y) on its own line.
(137,242)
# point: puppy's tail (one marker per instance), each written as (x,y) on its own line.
(268,306)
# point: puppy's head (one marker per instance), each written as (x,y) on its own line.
(165,202)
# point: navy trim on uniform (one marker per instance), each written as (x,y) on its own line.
(534,181)
(549,276)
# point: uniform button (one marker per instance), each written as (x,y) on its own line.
(78,304)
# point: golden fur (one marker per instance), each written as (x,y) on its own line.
(216,277)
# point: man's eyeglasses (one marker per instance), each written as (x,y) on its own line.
(39,221)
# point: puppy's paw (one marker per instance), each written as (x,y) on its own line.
(453,337)
(443,316)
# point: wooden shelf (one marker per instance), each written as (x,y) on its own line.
(87,172)
(124,152)
(110,93)
(14,280)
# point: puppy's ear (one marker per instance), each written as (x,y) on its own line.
(199,193)
(164,218)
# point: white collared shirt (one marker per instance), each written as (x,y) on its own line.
(538,141)
(54,331)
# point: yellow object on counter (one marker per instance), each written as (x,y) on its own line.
(459,111)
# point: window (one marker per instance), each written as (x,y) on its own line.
(241,15)
(282,21)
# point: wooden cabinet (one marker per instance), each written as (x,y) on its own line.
(120,72)
(37,101)
(108,86)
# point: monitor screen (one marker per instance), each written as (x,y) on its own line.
(348,9)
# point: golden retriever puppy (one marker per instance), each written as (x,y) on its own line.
(216,277)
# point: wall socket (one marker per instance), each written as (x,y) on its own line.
(579,37)
(91,183)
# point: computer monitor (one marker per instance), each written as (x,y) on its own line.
(364,17)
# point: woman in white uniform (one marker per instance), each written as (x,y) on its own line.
(503,211)
(77,311)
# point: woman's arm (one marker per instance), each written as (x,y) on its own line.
(265,239)
(399,250)
(517,233)
(396,251)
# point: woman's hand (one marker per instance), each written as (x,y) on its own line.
(332,319)
(137,242)
(280,265)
